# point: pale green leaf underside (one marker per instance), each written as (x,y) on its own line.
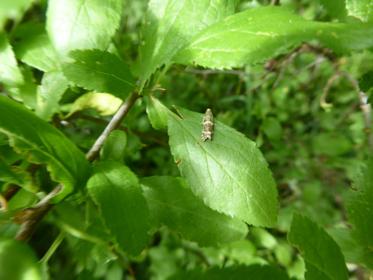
(9,71)
(258,34)
(104,103)
(53,86)
(360,207)
(82,24)
(100,71)
(42,143)
(229,173)
(13,9)
(321,253)
(171,203)
(361,9)
(170,24)
(116,191)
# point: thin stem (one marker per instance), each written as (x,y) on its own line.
(113,124)
(56,243)
(30,217)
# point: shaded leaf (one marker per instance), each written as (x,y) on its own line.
(170,25)
(42,143)
(229,173)
(258,34)
(9,71)
(171,203)
(335,8)
(114,146)
(360,208)
(321,253)
(100,71)
(53,86)
(18,261)
(254,272)
(116,191)
(82,24)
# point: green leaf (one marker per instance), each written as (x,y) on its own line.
(321,253)
(12,9)
(360,210)
(229,173)
(116,191)
(331,144)
(170,24)
(105,103)
(42,143)
(361,9)
(100,71)
(53,86)
(9,71)
(34,48)
(18,261)
(171,203)
(258,34)
(157,113)
(114,146)
(254,272)
(82,24)
(16,175)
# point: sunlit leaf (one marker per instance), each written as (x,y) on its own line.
(361,9)
(258,34)
(170,24)
(82,24)
(9,71)
(100,71)
(229,173)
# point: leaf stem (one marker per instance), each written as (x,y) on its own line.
(56,243)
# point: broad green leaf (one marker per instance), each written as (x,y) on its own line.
(34,48)
(53,86)
(157,113)
(18,261)
(100,71)
(13,9)
(114,146)
(9,71)
(170,24)
(360,209)
(171,203)
(321,253)
(105,103)
(254,272)
(257,34)
(361,9)
(335,8)
(331,144)
(82,24)
(229,173)
(40,142)
(116,191)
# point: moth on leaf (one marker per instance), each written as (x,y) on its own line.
(207,125)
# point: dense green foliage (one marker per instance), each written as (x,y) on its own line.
(283,190)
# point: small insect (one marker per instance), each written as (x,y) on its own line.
(207,125)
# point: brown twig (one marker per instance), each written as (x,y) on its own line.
(30,217)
